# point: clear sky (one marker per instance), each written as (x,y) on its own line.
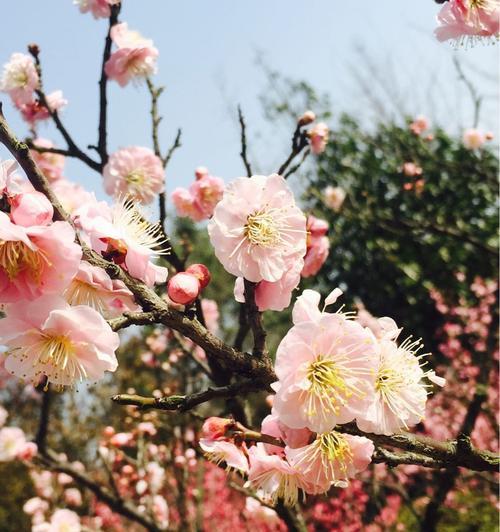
(207,63)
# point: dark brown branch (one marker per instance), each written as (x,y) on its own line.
(43,424)
(299,142)
(102,147)
(449,452)
(41,149)
(73,150)
(294,168)
(182,403)
(50,460)
(132,318)
(243,153)
(255,320)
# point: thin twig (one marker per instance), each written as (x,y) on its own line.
(73,149)
(243,152)
(182,403)
(102,147)
(299,142)
(255,320)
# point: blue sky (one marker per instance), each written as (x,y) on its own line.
(207,63)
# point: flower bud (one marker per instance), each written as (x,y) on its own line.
(215,427)
(183,288)
(27,451)
(307,118)
(201,272)
(201,172)
(31,208)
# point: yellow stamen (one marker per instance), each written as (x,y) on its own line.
(261,229)
(17,257)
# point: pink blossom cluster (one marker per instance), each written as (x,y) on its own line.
(55,303)
(135,58)
(20,80)
(199,201)
(332,369)
(318,246)
(468,20)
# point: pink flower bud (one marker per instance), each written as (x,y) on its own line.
(489,136)
(108,431)
(31,208)
(215,427)
(27,451)
(127,469)
(307,118)
(201,172)
(201,272)
(183,288)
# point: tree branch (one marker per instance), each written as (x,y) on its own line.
(255,320)
(103,99)
(73,149)
(49,459)
(243,153)
(182,403)
(299,142)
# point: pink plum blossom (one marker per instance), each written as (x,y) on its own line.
(135,58)
(121,439)
(36,260)
(34,110)
(92,286)
(318,137)
(333,197)
(207,192)
(71,195)
(122,234)
(12,440)
(62,520)
(50,164)
(73,497)
(274,477)
(31,208)
(468,20)
(27,451)
(273,295)
(199,201)
(134,172)
(411,169)
(35,505)
(473,139)
(318,246)
(400,393)
(307,118)
(11,182)
(219,451)
(257,228)
(98,8)
(66,344)
(19,78)
(326,370)
(332,458)
(419,125)
(185,205)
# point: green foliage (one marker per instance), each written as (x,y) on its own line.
(390,246)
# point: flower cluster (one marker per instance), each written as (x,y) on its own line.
(20,80)
(199,201)
(332,370)
(98,8)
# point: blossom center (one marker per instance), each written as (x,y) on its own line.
(135,178)
(261,229)
(388,379)
(17,257)
(335,447)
